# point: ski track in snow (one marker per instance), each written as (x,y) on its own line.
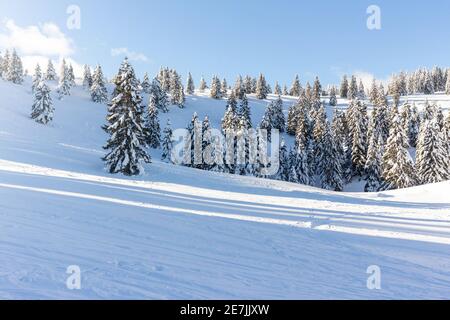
(178,233)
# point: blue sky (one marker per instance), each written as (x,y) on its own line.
(279,38)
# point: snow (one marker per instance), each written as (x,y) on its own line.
(181,233)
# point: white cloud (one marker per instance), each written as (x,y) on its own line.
(134,56)
(365,76)
(44,40)
(38,44)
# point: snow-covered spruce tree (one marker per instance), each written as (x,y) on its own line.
(361,90)
(71,76)
(215,92)
(285,91)
(447,85)
(248,84)
(277,89)
(373,93)
(158,96)
(428,85)
(224,88)
(429,111)
(99,93)
(432,162)
(296,87)
(293,114)
(344,87)
(190,87)
(244,113)
(230,119)
(239,89)
(302,147)
(152,124)
(203,85)
(353,89)
(207,145)
(261,87)
(5,64)
(341,133)
(15,69)
(145,84)
(397,165)
(87,77)
(167,143)
(1,66)
(414,126)
(266,122)
(283,171)
(278,120)
(64,85)
(37,77)
(333,98)
(320,127)
(332,178)
(373,164)
(358,127)
(42,109)
(127,143)
(165,79)
(50,74)
(176,90)
(317,89)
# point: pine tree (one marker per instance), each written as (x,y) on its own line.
(278,120)
(146,84)
(152,124)
(42,109)
(127,141)
(215,92)
(261,88)
(87,77)
(99,93)
(190,87)
(283,159)
(320,141)
(344,88)
(373,94)
(203,85)
(341,132)
(167,143)
(358,127)
(296,87)
(432,162)
(158,96)
(353,89)
(447,85)
(302,146)
(230,119)
(37,77)
(50,74)
(397,165)
(361,90)
(285,91)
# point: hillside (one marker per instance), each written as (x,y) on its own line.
(180,233)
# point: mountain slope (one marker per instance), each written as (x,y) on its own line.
(182,233)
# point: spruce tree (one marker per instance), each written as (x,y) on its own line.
(71,75)
(87,77)
(224,88)
(397,165)
(317,89)
(341,132)
(127,142)
(203,85)
(15,69)
(99,93)
(244,113)
(344,88)
(215,92)
(332,176)
(146,84)
(64,81)
(373,164)
(42,109)
(277,90)
(296,87)
(152,124)
(230,119)
(447,85)
(239,89)
(37,77)
(261,88)
(333,98)
(158,96)
(50,74)
(167,143)
(320,141)
(176,90)
(432,159)
(5,65)
(283,159)
(190,87)
(353,89)
(278,120)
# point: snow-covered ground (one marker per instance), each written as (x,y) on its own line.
(181,233)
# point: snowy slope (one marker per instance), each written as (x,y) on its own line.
(182,233)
